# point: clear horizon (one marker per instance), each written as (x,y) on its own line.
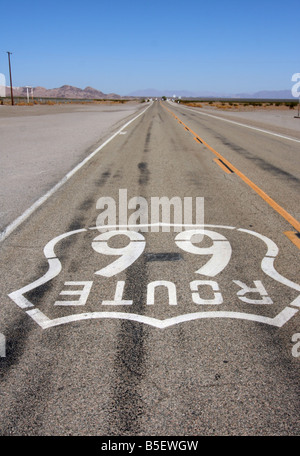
(119,47)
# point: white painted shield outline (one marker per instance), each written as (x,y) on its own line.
(55,268)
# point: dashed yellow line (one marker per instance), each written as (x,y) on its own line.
(224,168)
(288,217)
(294,237)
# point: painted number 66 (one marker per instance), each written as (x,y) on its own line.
(220,250)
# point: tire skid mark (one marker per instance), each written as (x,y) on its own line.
(128,404)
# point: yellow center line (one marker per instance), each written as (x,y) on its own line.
(288,217)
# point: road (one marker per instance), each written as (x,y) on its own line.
(162,329)
(40,144)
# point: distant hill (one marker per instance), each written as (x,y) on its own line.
(66,91)
(284,94)
(276,94)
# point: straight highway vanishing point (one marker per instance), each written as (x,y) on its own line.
(131,328)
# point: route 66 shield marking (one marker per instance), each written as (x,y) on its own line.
(218,252)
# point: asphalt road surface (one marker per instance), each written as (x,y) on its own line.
(175,325)
(40,144)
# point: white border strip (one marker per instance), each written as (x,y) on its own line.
(45,323)
(12,226)
(243,125)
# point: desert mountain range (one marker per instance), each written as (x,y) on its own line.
(276,94)
(66,91)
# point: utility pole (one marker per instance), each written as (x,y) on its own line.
(11,89)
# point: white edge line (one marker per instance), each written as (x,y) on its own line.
(12,226)
(244,125)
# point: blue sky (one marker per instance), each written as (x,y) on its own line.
(122,46)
